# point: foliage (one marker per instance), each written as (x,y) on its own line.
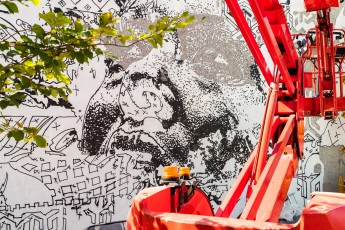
(34,59)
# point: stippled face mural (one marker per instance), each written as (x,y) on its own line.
(195,102)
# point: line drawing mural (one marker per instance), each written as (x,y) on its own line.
(195,102)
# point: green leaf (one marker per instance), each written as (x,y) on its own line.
(105,19)
(78,26)
(26,39)
(152,27)
(30,130)
(17,86)
(153,42)
(40,141)
(181,25)
(87,33)
(165,19)
(9,134)
(122,39)
(25,82)
(143,36)
(88,53)
(45,57)
(68,90)
(47,92)
(4,104)
(62,20)
(49,76)
(98,51)
(48,18)
(14,102)
(36,2)
(29,67)
(3,26)
(4,46)
(17,134)
(65,79)
(11,7)
(61,93)
(18,96)
(109,31)
(190,19)
(39,31)
(54,93)
(20,125)
(80,57)
(14,99)
(21,47)
(184,14)
(159,39)
(12,53)
(26,140)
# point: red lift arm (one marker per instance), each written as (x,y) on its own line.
(268,181)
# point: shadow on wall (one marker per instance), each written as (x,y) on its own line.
(334,160)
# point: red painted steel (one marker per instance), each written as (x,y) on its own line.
(273,40)
(270,183)
(265,132)
(237,188)
(149,211)
(294,93)
(325,79)
(315,5)
(324,211)
(250,39)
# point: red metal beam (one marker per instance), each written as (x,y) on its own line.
(237,188)
(269,179)
(315,5)
(283,170)
(265,132)
(272,44)
(250,39)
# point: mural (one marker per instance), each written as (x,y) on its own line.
(195,102)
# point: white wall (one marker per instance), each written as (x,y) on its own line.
(196,102)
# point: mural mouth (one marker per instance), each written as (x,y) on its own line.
(134,141)
(144,149)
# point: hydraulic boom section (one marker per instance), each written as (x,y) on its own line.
(281,127)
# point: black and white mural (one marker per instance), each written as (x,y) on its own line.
(196,102)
